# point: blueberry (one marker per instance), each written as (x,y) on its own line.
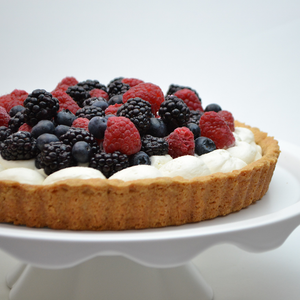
(117,99)
(101,103)
(43,126)
(45,138)
(82,152)
(213,107)
(60,130)
(97,127)
(15,109)
(139,158)
(65,117)
(157,128)
(194,128)
(204,145)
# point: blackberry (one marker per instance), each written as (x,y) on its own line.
(4,132)
(90,101)
(55,156)
(154,145)
(109,163)
(115,80)
(173,88)
(138,111)
(195,116)
(90,112)
(78,94)
(174,112)
(15,109)
(74,135)
(40,105)
(16,121)
(117,88)
(19,146)
(89,85)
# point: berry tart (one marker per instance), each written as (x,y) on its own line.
(89,156)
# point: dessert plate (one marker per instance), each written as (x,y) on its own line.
(260,227)
(159,259)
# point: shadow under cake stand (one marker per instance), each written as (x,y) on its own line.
(151,264)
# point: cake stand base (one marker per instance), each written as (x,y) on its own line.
(108,277)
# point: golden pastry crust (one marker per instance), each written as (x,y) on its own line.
(98,204)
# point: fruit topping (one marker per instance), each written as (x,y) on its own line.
(40,105)
(215,128)
(204,145)
(174,112)
(109,163)
(181,142)
(138,111)
(121,135)
(19,146)
(148,92)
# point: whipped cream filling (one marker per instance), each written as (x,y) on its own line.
(244,152)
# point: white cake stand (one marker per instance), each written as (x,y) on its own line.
(148,264)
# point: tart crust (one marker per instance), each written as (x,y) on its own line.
(98,204)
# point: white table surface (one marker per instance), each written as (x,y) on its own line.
(243,55)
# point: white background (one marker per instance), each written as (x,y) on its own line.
(244,55)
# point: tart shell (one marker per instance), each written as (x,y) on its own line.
(98,204)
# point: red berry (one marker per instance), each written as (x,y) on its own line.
(81,123)
(16,97)
(121,135)
(25,127)
(4,117)
(66,82)
(148,92)
(228,118)
(181,142)
(112,109)
(65,101)
(99,93)
(190,99)
(215,128)
(132,81)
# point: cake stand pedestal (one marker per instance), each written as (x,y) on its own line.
(148,264)
(108,278)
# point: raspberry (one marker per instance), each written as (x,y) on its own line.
(215,128)
(112,109)
(15,98)
(181,142)
(228,118)
(4,117)
(25,127)
(65,101)
(66,82)
(81,123)
(99,93)
(148,92)
(5,101)
(132,81)
(121,135)
(173,88)
(190,99)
